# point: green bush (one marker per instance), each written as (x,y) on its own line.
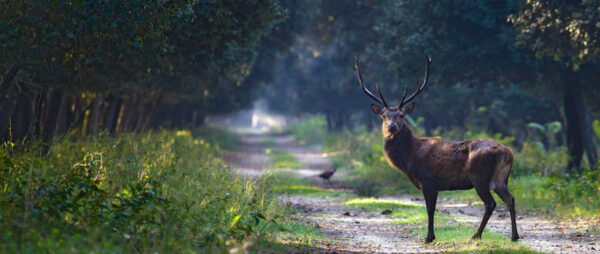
(311,129)
(534,159)
(153,192)
(578,193)
(360,153)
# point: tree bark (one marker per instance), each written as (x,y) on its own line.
(7,80)
(111,117)
(578,127)
(62,124)
(587,134)
(20,123)
(54,101)
(96,116)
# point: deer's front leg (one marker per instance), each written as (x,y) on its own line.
(430,200)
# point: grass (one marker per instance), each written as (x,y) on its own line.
(449,233)
(284,160)
(530,192)
(284,183)
(165,191)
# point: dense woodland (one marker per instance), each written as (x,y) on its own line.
(524,72)
(110,67)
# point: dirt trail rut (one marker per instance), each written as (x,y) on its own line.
(358,231)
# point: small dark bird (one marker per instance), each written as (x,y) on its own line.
(327,174)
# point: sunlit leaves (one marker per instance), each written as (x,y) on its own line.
(564,31)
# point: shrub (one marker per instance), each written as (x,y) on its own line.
(311,129)
(153,192)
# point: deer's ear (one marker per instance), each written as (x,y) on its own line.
(409,108)
(376,109)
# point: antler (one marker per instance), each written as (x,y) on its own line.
(420,88)
(360,81)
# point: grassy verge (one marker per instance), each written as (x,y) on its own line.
(285,183)
(284,160)
(155,192)
(449,233)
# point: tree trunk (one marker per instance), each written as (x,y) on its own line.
(111,117)
(62,123)
(587,134)
(96,116)
(7,80)
(8,106)
(577,127)
(54,101)
(20,122)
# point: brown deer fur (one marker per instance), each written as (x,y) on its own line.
(434,165)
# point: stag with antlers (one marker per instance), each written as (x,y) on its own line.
(435,165)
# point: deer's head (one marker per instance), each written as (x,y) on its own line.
(393,117)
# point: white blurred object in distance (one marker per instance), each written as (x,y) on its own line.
(265,121)
(254,120)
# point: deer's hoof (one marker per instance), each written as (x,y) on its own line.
(429,239)
(515,238)
(476,237)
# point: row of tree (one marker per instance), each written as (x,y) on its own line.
(497,65)
(115,66)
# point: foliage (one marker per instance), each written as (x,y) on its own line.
(310,129)
(596,127)
(149,63)
(165,191)
(572,26)
(535,159)
(578,194)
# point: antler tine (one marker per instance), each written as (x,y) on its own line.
(420,88)
(360,82)
(380,95)
(404,95)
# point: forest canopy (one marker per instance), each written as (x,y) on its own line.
(109,67)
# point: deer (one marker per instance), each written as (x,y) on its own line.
(435,165)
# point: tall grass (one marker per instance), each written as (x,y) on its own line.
(154,192)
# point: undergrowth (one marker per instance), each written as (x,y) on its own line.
(155,192)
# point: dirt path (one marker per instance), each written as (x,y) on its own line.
(352,229)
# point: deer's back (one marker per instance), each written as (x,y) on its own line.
(451,165)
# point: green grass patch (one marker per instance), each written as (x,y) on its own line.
(449,233)
(284,160)
(284,183)
(403,212)
(217,136)
(457,237)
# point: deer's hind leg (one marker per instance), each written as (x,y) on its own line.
(509,200)
(481,170)
(490,204)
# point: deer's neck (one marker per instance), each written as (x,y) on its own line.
(399,149)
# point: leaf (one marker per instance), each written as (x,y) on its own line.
(235,221)
(537,126)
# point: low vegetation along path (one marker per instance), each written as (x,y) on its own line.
(393,224)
